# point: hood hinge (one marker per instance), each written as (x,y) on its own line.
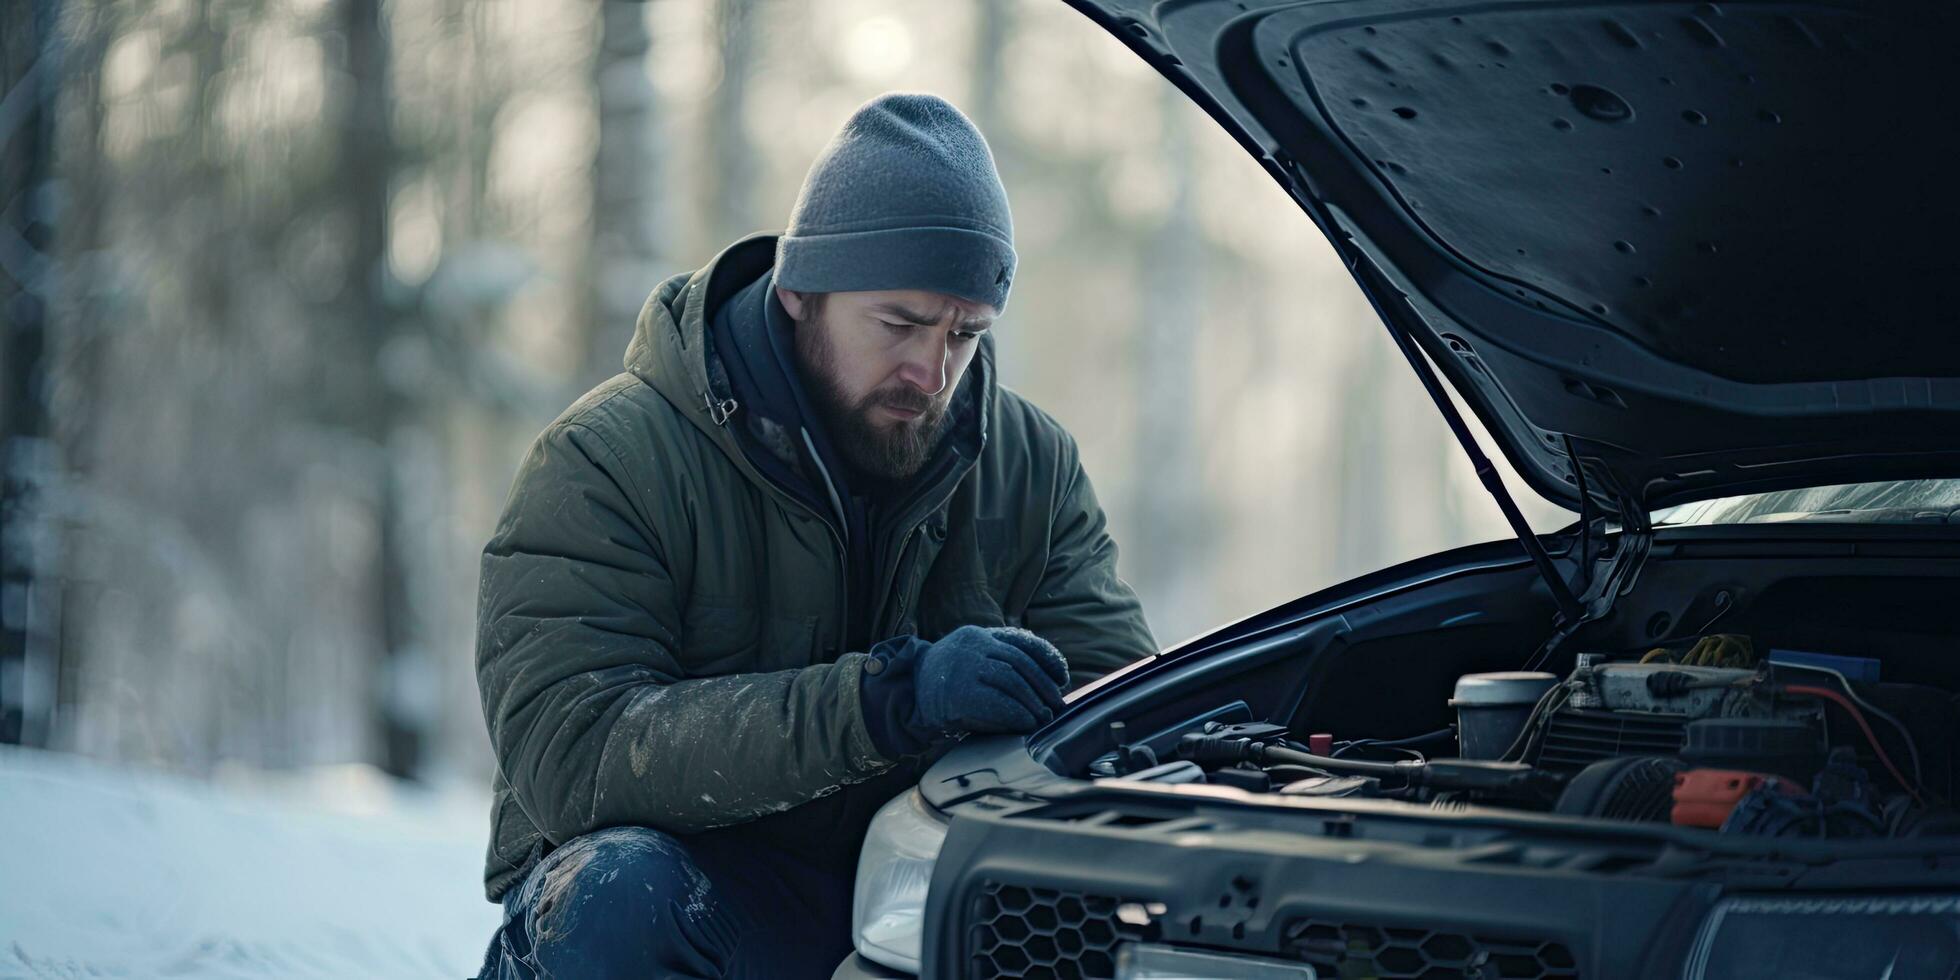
(1606,577)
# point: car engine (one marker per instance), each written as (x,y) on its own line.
(1708,735)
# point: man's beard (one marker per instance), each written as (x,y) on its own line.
(896,451)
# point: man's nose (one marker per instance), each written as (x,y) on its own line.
(924,366)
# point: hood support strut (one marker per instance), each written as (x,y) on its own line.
(1570,611)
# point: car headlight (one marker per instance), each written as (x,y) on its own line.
(888,907)
(1902,937)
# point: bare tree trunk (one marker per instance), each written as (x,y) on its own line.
(731,170)
(77,347)
(400,730)
(994,27)
(1170,559)
(628,187)
(29,590)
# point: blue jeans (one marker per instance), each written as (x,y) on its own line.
(636,902)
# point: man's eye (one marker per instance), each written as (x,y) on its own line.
(896,327)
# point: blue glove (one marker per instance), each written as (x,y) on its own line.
(991,680)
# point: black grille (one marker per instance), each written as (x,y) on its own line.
(1575,738)
(1340,949)
(1046,934)
(1051,934)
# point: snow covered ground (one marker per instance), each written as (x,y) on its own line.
(341,873)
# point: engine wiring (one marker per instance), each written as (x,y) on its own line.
(1549,703)
(1403,745)
(1912,748)
(1852,704)
(1858,716)
(1721,609)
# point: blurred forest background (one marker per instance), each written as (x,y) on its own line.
(289,285)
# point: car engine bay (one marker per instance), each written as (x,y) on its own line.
(1710,732)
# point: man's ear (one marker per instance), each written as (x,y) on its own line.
(792,301)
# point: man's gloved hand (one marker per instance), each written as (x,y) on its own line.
(995,681)
(992,680)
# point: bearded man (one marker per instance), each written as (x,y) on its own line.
(742,593)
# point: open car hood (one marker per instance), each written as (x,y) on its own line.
(1707,248)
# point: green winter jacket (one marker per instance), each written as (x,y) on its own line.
(659,627)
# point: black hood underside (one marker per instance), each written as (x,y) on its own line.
(1711,246)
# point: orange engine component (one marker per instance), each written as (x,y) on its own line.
(1706,797)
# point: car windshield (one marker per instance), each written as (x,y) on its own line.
(1892,502)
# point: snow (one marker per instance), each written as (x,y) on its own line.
(334,873)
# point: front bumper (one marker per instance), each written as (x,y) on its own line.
(1043,877)
(1052,891)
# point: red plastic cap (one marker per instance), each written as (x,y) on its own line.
(1706,797)
(1321,743)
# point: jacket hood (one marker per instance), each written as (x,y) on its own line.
(669,349)
(672,351)
(1698,250)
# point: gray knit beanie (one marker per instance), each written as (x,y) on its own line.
(904,197)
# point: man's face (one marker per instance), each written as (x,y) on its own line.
(883,366)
